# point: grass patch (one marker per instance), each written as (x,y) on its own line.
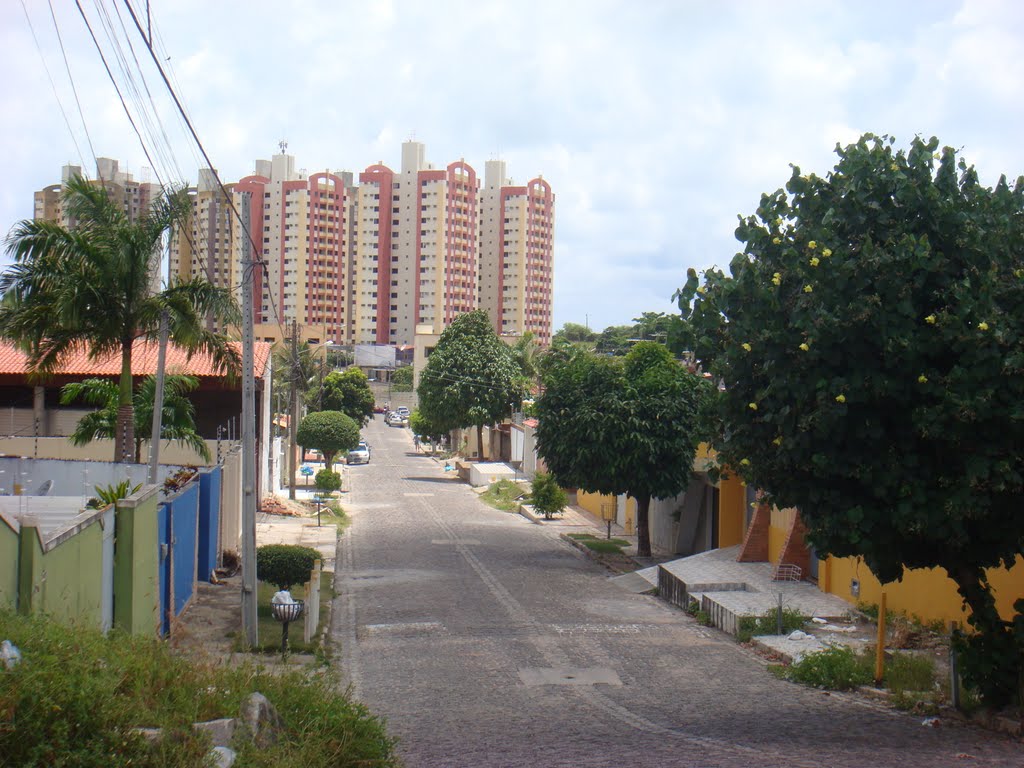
(504,495)
(909,672)
(836,669)
(269,629)
(77,695)
(604,546)
(909,677)
(768,624)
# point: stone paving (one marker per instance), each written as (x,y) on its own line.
(486,640)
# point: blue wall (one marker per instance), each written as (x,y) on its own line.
(209,522)
(179,517)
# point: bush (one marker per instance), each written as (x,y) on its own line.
(285,564)
(836,668)
(327,481)
(547,496)
(768,623)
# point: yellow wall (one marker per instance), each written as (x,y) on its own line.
(592,501)
(927,593)
(782,519)
(732,498)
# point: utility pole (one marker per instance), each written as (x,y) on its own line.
(248,438)
(158,401)
(293,418)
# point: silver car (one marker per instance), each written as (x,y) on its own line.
(359,455)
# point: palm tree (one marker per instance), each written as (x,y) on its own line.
(90,286)
(178,419)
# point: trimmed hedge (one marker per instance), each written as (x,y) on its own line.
(285,564)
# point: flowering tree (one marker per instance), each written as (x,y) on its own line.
(870,339)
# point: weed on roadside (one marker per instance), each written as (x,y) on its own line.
(768,624)
(504,495)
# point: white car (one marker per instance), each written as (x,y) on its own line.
(359,455)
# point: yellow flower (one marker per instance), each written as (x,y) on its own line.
(777,241)
(1018,273)
(937,155)
(827,252)
(752,406)
(777,278)
(808,289)
(930,319)
(840,398)
(702,290)
(746,347)
(815,261)
(777,440)
(812,245)
(745,462)
(894,167)
(805,346)
(922,379)
(982,326)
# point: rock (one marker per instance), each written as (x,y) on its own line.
(9,654)
(220,731)
(798,635)
(259,720)
(818,620)
(223,757)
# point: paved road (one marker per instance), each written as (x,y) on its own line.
(487,641)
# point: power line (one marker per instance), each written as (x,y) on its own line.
(71,79)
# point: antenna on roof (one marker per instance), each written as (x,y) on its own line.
(283,144)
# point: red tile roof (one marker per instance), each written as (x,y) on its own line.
(144,357)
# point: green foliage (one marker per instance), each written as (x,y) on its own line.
(504,495)
(285,564)
(617,426)
(303,372)
(992,657)
(601,546)
(327,481)
(836,669)
(574,332)
(909,672)
(471,378)
(328,432)
(349,391)
(615,340)
(78,695)
(870,339)
(547,496)
(110,494)
(422,426)
(703,618)
(177,422)
(91,285)
(401,379)
(768,624)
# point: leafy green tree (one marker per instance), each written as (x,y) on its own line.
(621,425)
(301,371)
(348,391)
(870,340)
(329,432)
(177,422)
(401,379)
(285,564)
(547,496)
(90,286)
(422,426)
(527,353)
(574,332)
(615,340)
(471,378)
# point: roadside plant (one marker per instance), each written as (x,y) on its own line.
(110,494)
(836,669)
(869,342)
(329,432)
(327,482)
(547,496)
(285,564)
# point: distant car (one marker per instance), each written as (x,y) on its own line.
(402,411)
(359,455)
(379,409)
(395,419)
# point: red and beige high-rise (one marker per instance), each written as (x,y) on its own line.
(516,253)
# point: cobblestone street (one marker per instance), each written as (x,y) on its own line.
(485,640)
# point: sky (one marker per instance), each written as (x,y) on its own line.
(655,122)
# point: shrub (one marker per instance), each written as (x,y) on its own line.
(547,496)
(327,481)
(285,564)
(836,668)
(768,623)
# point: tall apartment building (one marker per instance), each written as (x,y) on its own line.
(134,196)
(372,263)
(516,253)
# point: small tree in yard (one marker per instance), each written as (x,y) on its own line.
(327,482)
(329,432)
(421,425)
(620,425)
(285,564)
(471,378)
(349,391)
(870,339)
(547,496)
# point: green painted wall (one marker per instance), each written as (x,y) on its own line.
(136,581)
(65,582)
(8,566)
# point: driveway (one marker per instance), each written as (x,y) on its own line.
(485,640)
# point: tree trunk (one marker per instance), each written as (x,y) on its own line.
(643,533)
(480,441)
(124,437)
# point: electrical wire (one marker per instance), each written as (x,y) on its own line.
(71,79)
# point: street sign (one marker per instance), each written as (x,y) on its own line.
(306,471)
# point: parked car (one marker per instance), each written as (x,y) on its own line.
(402,411)
(359,455)
(395,419)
